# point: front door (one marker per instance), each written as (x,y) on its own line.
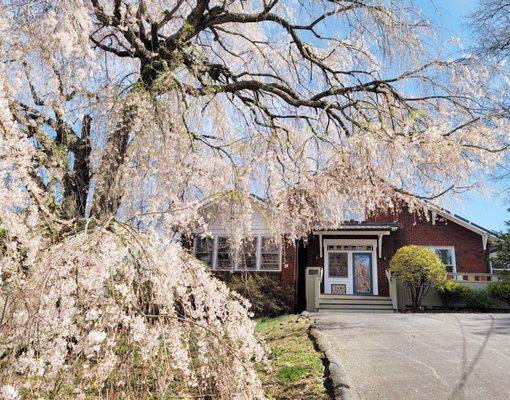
(362,273)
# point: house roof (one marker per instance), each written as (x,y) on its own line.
(484,232)
(373,226)
(463,221)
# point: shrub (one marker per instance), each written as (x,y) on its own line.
(263,290)
(418,268)
(479,299)
(451,291)
(503,275)
(500,291)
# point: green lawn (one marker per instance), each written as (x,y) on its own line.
(297,370)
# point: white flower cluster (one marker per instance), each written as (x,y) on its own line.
(104,304)
(109,309)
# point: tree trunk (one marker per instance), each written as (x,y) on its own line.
(76,185)
(108,189)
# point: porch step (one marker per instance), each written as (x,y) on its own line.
(353,304)
(351,311)
(353,297)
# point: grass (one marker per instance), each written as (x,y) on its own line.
(296,367)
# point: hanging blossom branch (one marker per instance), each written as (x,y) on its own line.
(312,87)
(80,314)
(201,50)
(135,113)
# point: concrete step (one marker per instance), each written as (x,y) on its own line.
(356,306)
(353,297)
(351,311)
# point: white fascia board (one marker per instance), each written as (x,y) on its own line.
(379,235)
(465,224)
(354,232)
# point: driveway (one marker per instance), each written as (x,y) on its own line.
(421,356)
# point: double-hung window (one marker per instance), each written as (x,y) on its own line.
(270,255)
(224,255)
(247,259)
(204,250)
(447,255)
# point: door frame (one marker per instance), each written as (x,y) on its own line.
(350,260)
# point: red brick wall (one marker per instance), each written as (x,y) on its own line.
(469,253)
(288,276)
(383,263)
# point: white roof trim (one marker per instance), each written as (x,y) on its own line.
(465,224)
(379,235)
(364,232)
(485,234)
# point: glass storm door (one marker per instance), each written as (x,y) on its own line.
(336,270)
(362,273)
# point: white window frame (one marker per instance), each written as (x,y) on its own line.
(258,255)
(237,255)
(213,248)
(454,258)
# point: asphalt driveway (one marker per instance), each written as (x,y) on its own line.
(421,356)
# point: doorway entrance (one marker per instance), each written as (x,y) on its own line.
(350,266)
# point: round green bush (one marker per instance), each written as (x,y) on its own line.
(418,268)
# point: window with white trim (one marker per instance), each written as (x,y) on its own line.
(270,254)
(447,255)
(338,264)
(247,259)
(256,254)
(204,250)
(224,256)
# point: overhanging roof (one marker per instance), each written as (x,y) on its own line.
(463,222)
(373,226)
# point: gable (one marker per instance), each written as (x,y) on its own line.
(223,224)
(438,225)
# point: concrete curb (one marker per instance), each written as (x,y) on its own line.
(337,377)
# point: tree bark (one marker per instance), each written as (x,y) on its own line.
(76,185)
(108,189)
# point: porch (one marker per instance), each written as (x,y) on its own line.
(353,258)
(318,301)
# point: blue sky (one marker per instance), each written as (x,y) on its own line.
(450,16)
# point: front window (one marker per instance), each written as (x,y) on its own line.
(256,253)
(447,256)
(337,265)
(270,254)
(224,255)
(204,250)
(248,255)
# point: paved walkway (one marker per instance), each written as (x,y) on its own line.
(421,356)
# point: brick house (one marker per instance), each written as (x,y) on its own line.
(353,257)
